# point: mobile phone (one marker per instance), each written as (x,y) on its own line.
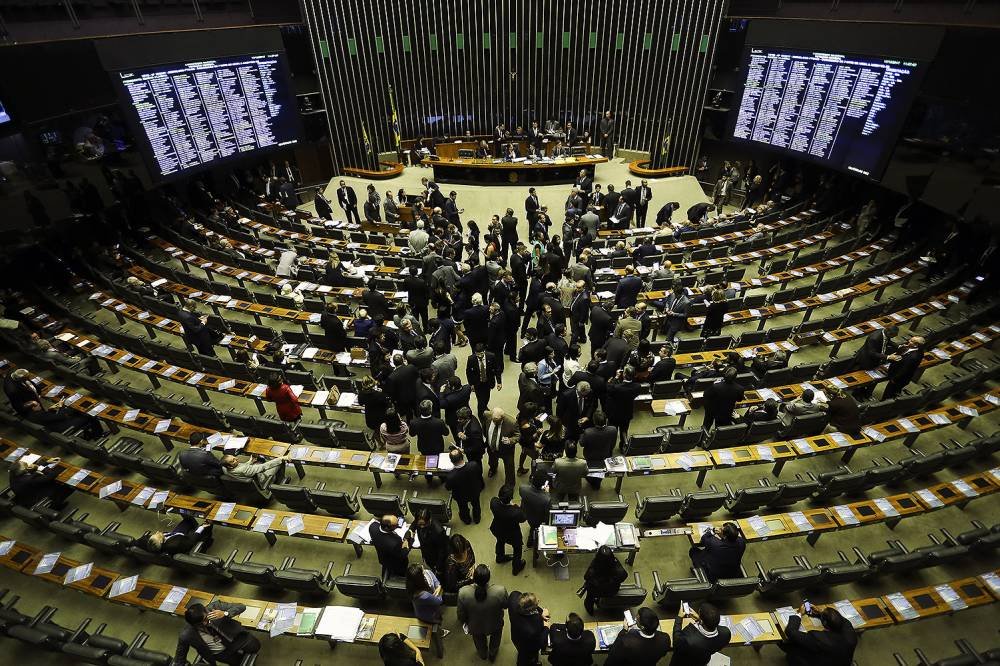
(629,620)
(685,608)
(808,606)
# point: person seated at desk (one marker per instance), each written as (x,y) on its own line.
(604,577)
(719,552)
(483,150)
(834,645)
(641,645)
(182,538)
(765,361)
(695,644)
(398,650)
(766,411)
(31,482)
(264,473)
(393,550)
(215,634)
(20,391)
(59,418)
(800,406)
(570,644)
(510,152)
(197,460)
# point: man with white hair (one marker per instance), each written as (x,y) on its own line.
(501,433)
(475,321)
(418,238)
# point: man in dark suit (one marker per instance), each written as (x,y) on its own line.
(642,645)
(643,195)
(483,372)
(195,331)
(465,482)
(664,365)
(348,200)
(695,644)
(571,135)
(570,644)
(698,213)
(520,269)
(579,312)
(620,214)
(401,385)
(584,184)
(833,646)
(575,408)
(611,200)
(30,483)
(506,528)
(393,550)
(644,254)
(215,634)
(323,207)
(622,393)
(508,228)
(197,460)
(721,398)
(535,135)
(629,195)
(536,502)
(719,552)
(181,539)
(628,289)
(606,133)
(598,443)
(286,194)
(534,349)
(601,325)
(675,311)
(878,345)
(476,321)
(903,365)
(451,210)
(429,430)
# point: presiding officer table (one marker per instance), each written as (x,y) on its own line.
(493,172)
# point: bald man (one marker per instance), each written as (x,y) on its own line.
(903,366)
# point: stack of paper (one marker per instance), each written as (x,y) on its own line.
(846,608)
(604,535)
(800,521)
(173,599)
(846,515)
(886,507)
(929,498)
(340,623)
(900,603)
(951,597)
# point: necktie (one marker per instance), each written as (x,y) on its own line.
(482,368)
(496,437)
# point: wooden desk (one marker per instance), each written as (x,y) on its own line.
(811,522)
(870,613)
(18,555)
(728,238)
(934,600)
(562,548)
(96,583)
(487,172)
(314,526)
(153,323)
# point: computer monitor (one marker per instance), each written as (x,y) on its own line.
(564,518)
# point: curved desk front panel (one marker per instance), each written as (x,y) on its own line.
(488,172)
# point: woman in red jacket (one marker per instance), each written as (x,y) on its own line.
(283,398)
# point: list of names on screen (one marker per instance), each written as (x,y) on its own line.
(836,108)
(200,112)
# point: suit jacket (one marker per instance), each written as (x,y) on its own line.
(585,184)
(721,399)
(621,212)
(32,487)
(630,196)
(507,519)
(536,503)
(474,444)
(643,195)
(718,557)
(483,617)
(323,208)
(532,352)
(570,473)
(508,226)
(389,547)
(569,408)
(347,197)
(617,350)
(598,443)
(200,462)
(476,322)
(628,290)
(819,648)
(391,209)
(872,353)
(579,308)
(261,472)
(473,372)
(693,648)
(508,428)
(565,651)
(401,384)
(620,402)
(531,207)
(465,482)
(190,637)
(430,433)
(633,649)
(902,371)
(527,631)
(601,325)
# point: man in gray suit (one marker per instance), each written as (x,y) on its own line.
(570,472)
(262,472)
(215,634)
(481,609)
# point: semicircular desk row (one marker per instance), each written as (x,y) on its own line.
(336,623)
(170,430)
